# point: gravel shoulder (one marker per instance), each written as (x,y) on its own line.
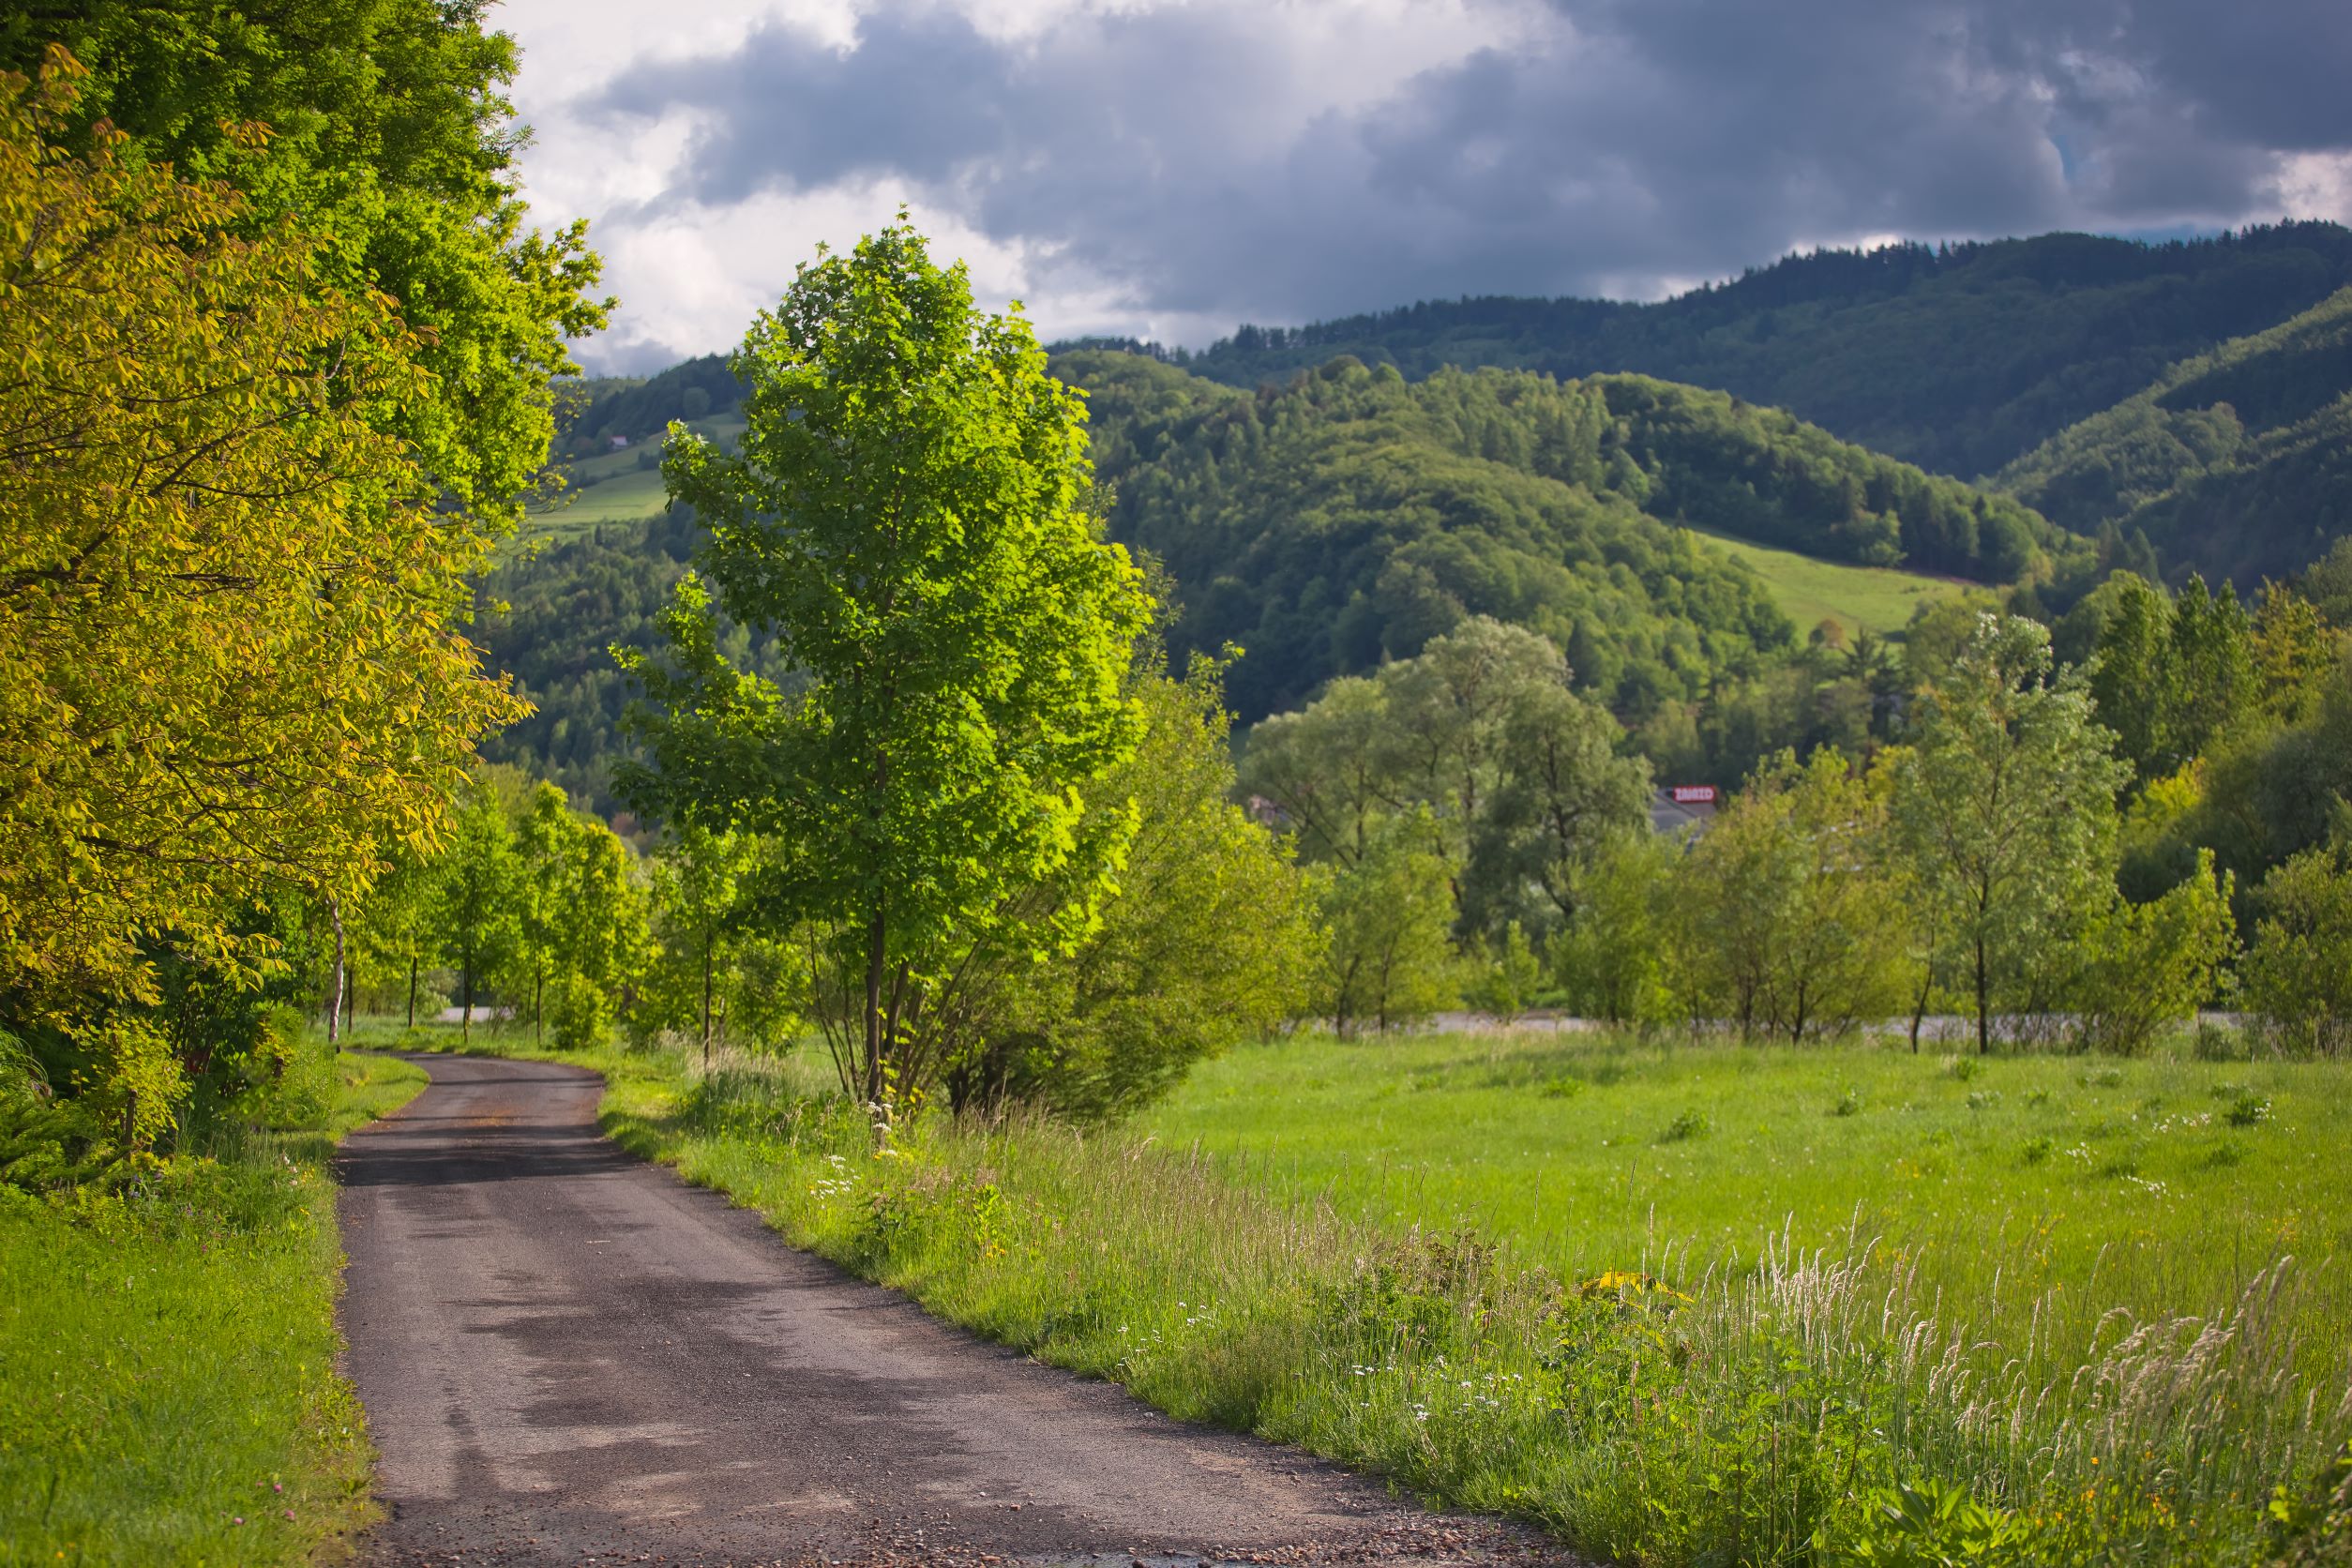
(566,1354)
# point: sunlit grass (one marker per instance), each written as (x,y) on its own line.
(168,1392)
(1809,590)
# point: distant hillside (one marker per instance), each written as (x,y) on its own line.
(1351,516)
(1959,359)
(2236,462)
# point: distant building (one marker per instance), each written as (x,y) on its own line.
(619,442)
(1680,805)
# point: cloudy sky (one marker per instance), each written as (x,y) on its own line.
(1171,168)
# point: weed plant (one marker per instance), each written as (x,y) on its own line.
(168,1392)
(1952,1379)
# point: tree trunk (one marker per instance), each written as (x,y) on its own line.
(465,997)
(1919,1005)
(538,997)
(875,934)
(1983,989)
(411,990)
(334,998)
(706,1001)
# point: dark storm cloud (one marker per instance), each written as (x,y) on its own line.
(1623,142)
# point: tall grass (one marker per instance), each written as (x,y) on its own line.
(1764,1411)
(168,1390)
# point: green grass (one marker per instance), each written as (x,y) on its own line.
(1809,590)
(167,1351)
(1386,1252)
(620,488)
(2099,1183)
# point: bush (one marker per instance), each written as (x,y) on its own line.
(581,1013)
(2298,973)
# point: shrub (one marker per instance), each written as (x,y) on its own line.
(2297,972)
(1689,1125)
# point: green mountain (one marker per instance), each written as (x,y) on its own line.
(2236,462)
(1958,358)
(1353,514)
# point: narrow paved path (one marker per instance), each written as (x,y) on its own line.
(566,1354)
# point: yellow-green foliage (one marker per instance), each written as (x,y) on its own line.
(168,1392)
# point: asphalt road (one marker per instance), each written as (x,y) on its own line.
(567,1355)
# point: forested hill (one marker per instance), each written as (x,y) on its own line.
(2236,462)
(1351,516)
(1958,358)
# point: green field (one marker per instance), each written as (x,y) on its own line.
(2160,1187)
(1809,590)
(618,487)
(168,1390)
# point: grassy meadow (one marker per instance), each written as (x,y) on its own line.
(1678,1304)
(168,1390)
(615,487)
(1809,590)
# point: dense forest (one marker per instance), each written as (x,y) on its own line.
(1959,358)
(1351,516)
(2237,463)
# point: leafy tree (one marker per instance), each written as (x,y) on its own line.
(397,938)
(545,843)
(2004,809)
(697,894)
(1560,788)
(602,940)
(383,124)
(1209,940)
(1327,768)
(2142,966)
(907,515)
(2297,976)
(474,898)
(1784,910)
(231,645)
(1389,959)
(1506,975)
(1615,958)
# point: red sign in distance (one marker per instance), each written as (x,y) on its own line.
(1694,794)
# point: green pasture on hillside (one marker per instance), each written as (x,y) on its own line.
(621,486)
(1810,590)
(168,1390)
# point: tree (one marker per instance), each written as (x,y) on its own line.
(474,898)
(1615,958)
(2005,809)
(1327,768)
(232,654)
(602,941)
(384,124)
(1389,958)
(698,882)
(1507,972)
(397,935)
(1209,940)
(2142,966)
(1560,788)
(1785,909)
(545,843)
(2297,976)
(908,515)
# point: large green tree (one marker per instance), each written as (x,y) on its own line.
(2005,809)
(232,649)
(388,135)
(908,515)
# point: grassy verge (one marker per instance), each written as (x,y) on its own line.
(1760,1404)
(168,1390)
